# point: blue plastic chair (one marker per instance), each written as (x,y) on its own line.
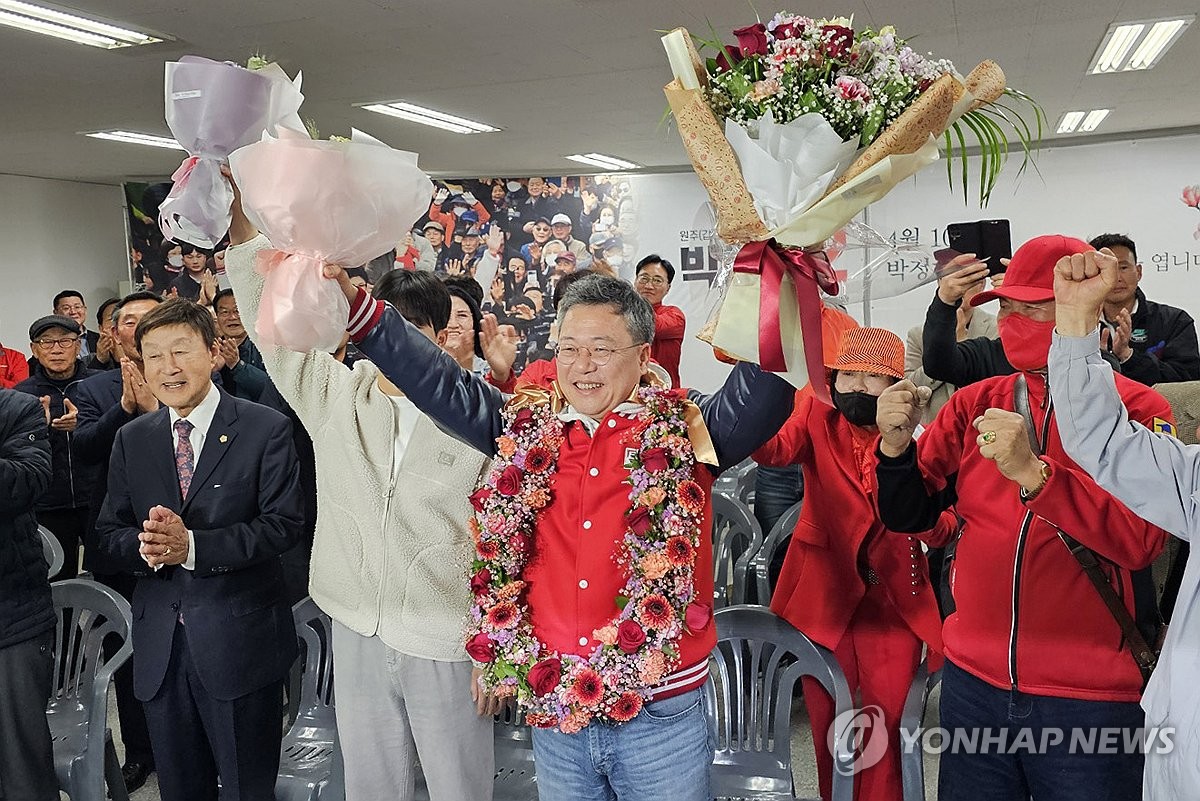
(84,755)
(755,669)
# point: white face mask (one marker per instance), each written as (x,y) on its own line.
(175,261)
(459,211)
(514,186)
(615,261)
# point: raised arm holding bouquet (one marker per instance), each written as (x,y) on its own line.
(213,108)
(793,133)
(322,202)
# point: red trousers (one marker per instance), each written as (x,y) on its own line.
(879,655)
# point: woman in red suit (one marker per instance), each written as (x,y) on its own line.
(848,583)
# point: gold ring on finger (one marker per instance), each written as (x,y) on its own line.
(989,437)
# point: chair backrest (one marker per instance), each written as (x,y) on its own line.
(52,551)
(738,481)
(88,613)
(315,631)
(513,740)
(758,660)
(737,538)
(783,527)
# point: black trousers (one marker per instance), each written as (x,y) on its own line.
(197,737)
(135,736)
(67,526)
(26,752)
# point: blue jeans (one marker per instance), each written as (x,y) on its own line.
(1045,771)
(663,754)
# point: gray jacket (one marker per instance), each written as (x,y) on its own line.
(1158,477)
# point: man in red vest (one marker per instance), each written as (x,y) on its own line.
(593,575)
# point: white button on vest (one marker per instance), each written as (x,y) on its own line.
(583,640)
(587,523)
(595,471)
(583,584)
(612,423)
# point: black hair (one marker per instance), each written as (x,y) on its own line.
(100,312)
(467,284)
(564,284)
(1114,240)
(166,247)
(67,293)
(418,295)
(178,311)
(220,296)
(133,296)
(654,258)
(457,290)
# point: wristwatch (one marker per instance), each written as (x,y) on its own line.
(1026,495)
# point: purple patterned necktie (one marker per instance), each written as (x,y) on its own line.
(185,460)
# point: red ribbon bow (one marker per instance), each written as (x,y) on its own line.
(769,260)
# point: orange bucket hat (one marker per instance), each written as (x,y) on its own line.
(870,350)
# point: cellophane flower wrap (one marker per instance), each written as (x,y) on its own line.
(213,108)
(793,132)
(322,202)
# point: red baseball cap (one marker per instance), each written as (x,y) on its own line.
(1030,274)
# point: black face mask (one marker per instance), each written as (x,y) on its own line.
(857,407)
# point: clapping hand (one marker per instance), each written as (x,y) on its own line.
(136,396)
(70,417)
(1117,340)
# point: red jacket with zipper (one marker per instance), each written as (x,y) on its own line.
(1027,616)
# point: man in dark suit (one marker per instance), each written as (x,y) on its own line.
(203,497)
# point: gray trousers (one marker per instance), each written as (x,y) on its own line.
(393,709)
(26,753)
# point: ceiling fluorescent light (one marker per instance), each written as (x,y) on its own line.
(428,116)
(51,22)
(1092,121)
(134,138)
(1137,45)
(603,162)
(1069,122)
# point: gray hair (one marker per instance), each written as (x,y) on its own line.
(601,290)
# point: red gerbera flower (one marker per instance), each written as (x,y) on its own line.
(680,551)
(588,688)
(503,615)
(538,459)
(691,496)
(487,549)
(656,612)
(626,707)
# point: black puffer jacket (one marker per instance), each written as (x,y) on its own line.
(71,484)
(26,609)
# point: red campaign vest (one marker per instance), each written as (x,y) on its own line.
(572,576)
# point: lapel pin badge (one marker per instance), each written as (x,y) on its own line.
(224,438)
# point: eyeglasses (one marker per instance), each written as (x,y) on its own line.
(651,280)
(228,312)
(599,355)
(54,344)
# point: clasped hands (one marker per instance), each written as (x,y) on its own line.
(164,538)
